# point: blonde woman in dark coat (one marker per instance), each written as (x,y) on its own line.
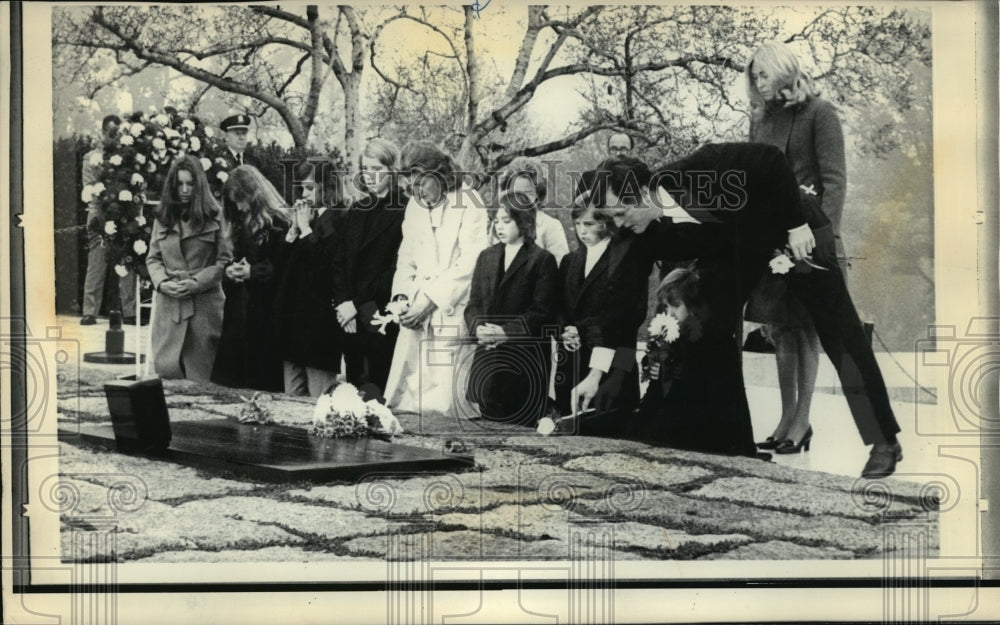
(789,114)
(188,253)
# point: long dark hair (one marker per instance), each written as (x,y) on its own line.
(522,212)
(247,184)
(202,209)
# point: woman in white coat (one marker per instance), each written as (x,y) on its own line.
(444,230)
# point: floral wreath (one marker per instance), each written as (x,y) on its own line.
(133,171)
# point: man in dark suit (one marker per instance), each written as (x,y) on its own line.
(237,131)
(748,197)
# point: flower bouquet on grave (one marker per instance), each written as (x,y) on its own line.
(344,413)
(256,409)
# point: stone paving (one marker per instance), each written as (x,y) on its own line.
(528,498)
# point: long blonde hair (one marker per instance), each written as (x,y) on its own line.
(247,184)
(792,85)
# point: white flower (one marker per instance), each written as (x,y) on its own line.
(121,271)
(672,331)
(546,426)
(97,159)
(184,145)
(152,167)
(88,193)
(665,326)
(390,424)
(781,264)
(140,247)
(170,133)
(139,158)
(139,219)
(137,180)
(127,140)
(99,188)
(209,132)
(161,119)
(324,404)
(205,164)
(159,144)
(110,227)
(187,123)
(223,176)
(181,154)
(115,160)
(195,144)
(125,195)
(221,162)
(347,400)
(136,129)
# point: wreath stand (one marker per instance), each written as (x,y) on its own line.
(114,338)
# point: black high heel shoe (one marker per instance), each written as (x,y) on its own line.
(788,446)
(770,443)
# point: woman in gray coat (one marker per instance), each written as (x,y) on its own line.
(188,252)
(788,113)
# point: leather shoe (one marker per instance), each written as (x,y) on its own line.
(88,320)
(882,462)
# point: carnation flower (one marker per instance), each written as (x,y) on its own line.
(121,271)
(781,264)
(139,158)
(127,140)
(195,144)
(665,326)
(139,219)
(137,180)
(96,159)
(546,426)
(88,193)
(140,247)
(187,123)
(110,227)
(347,400)
(159,144)
(161,119)
(98,188)
(205,164)
(115,160)
(170,133)
(125,195)
(221,162)
(223,176)
(152,167)
(181,154)
(136,129)
(209,132)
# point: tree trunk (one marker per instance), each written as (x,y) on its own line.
(352,122)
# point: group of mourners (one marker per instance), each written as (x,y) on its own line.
(498,319)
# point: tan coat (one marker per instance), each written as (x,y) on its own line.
(186,330)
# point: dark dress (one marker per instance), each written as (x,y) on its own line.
(607,307)
(698,401)
(758,187)
(364,263)
(247,356)
(510,381)
(307,328)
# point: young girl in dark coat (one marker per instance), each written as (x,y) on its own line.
(513,298)
(309,338)
(695,399)
(247,356)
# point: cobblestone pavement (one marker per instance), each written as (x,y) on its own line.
(528,497)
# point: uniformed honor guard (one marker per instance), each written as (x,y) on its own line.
(237,129)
